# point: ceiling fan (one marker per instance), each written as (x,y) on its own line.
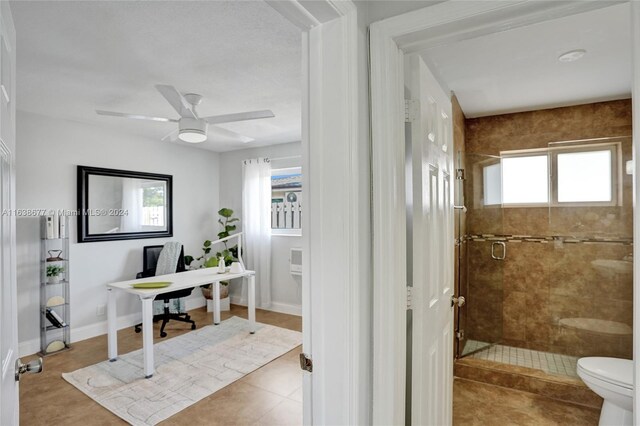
(191,127)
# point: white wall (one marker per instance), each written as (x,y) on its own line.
(285,289)
(48,151)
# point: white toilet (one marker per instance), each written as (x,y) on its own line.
(612,379)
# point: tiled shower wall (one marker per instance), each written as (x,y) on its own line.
(521,300)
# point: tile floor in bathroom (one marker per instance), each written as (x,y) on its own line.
(545,361)
(482,404)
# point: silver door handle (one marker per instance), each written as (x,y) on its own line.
(463,208)
(32,367)
(493,250)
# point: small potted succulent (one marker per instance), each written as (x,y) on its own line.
(53,273)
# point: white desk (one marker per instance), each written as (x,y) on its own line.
(180,281)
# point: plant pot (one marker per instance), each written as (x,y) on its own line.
(208,292)
(224,305)
(54,279)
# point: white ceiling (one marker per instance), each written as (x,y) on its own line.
(517,70)
(75,57)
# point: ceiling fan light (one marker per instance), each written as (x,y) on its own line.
(192,136)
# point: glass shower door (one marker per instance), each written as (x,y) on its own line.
(481,251)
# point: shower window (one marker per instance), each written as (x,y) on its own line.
(525,180)
(586,176)
(573,175)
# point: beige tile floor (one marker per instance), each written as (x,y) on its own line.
(271,395)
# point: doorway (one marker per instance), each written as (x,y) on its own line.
(391,41)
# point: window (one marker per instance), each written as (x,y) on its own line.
(492,184)
(561,176)
(153,204)
(524,179)
(584,177)
(286,201)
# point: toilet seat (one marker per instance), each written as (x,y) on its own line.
(613,371)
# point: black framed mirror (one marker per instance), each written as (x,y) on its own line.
(123,205)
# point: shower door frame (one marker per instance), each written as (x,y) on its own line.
(390,39)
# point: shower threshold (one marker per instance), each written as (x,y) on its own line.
(546,361)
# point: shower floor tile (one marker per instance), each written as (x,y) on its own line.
(545,361)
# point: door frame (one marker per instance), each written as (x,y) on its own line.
(336,244)
(7,31)
(390,39)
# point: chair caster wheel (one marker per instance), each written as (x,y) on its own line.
(193,326)
(163,334)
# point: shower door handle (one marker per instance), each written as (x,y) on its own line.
(493,250)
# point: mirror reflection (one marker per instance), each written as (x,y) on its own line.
(136,205)
(121,204)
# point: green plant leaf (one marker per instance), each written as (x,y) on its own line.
(223,234)
(207,250)
(211,262)
(207,243)
(224,212)
(188,259)
(230,228)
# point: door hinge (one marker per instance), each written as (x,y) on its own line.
(306,363)
(411,110)
(460,174)
(460,334)
(409,297)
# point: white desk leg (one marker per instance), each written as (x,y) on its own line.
(112,326)
(252,302)
(216,302)
(147,336)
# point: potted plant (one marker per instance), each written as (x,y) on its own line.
(53,273)
(229,254)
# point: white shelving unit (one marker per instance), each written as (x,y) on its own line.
(54,295)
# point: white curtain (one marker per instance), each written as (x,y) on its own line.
(132,203)
(256,225)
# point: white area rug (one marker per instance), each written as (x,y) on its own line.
(189,368)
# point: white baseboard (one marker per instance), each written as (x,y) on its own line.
(30,347)
(283,308)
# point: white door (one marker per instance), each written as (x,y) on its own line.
(8,314)
(430,245)
(8,303)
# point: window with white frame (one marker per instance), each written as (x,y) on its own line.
(573,175)
(286,201)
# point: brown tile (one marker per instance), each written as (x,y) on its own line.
(482,404)
(288,412)
(526,221)
(281,376)
(238,403)
(515,316)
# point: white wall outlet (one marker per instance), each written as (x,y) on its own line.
(101,310)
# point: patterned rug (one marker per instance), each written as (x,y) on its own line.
(189,368)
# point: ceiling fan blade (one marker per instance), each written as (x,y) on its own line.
(240,116)
(177,101)
(215,130)
(172,136)
(135,116)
